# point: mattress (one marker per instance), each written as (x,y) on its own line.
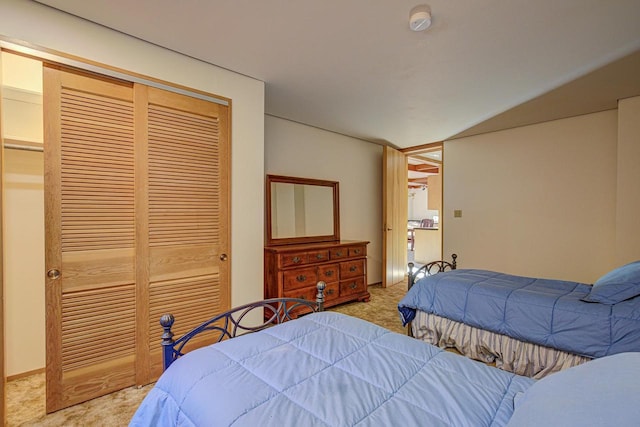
(540,311)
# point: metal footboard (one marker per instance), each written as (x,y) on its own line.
(235,321)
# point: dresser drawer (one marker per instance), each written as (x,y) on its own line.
(318,256)
(294,258)
(331,291)
(352,286)
(350,269)
(304,293)
(355,251)
(308,294)
(339,253)
(329,273)
(300,278)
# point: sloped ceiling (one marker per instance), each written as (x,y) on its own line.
(354,67)
(599,90)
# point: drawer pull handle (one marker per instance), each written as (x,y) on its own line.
(353,268)
(328,273)
(353,285)
(301,278)
(319,256)
(296,260)
(339,253)
(330,292)
(356,251)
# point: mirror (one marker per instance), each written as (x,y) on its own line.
(301,210)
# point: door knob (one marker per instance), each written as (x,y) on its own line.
(223,257)
(53,274)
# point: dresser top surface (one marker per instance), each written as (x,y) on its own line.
(314,246)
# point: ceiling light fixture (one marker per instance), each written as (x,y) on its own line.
(420,18)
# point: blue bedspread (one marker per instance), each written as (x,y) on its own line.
(328,369)
(540,311)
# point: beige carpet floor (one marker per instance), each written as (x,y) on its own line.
(26,396)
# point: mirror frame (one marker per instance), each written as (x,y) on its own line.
(334,185)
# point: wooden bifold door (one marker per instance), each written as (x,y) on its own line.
(394,216)
(137,224)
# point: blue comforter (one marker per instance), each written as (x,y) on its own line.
(328,369)
(540,311)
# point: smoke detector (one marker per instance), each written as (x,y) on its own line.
(420,18)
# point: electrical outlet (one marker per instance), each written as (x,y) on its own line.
(457,213)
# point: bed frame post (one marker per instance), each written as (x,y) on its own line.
(166,321)
(454,263)
(410,278)
(320,295)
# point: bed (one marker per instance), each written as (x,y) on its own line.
(330,369)
(529,326)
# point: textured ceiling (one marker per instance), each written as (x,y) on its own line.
(354,67)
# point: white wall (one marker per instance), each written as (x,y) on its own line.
(418,203)
(23,226)
(41,26)
(24,262)
(293,149)
(537,200)
(628,182)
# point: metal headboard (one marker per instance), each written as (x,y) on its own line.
(235,321)
(430,268)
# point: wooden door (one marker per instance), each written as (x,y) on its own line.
(89,236)
(2,375)
(394,213)
(188,207)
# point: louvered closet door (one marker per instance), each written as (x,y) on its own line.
(188,209)
(90,237)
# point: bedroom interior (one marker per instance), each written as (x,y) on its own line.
(540,148)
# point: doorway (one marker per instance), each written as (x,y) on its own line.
(405,172)
(424,211)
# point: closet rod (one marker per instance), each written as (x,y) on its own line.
(23,147)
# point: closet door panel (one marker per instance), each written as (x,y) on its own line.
(191,300)
(86,270)
(170,263)
(90,236)
(188,211)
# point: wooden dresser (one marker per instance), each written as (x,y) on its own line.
(294,270)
